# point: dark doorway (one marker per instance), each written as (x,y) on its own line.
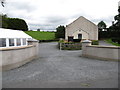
(70,38)
(79,36)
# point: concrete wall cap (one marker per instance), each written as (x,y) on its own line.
(86,41)
(33,40)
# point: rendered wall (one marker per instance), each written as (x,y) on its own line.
(17,56)
(101,52)
(86,26)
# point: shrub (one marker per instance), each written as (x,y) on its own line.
(76,40)
(95,42)
(116,40)
(69,45)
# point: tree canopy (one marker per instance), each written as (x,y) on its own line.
(60,32)
(14,23)
(102,25)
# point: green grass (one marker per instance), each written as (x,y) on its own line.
(110,41)
(41,35)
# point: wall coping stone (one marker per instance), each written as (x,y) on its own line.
(98,46)
(15,48)
(86,41)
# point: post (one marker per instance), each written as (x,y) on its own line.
(60,46)
(84,44)
(36,45)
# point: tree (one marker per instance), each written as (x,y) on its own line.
(4,21)
(38,29)
(117,18)
(17,24)
(101,25)
(60,32)
(14,23)
(115,28)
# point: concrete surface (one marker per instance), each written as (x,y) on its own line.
(62,69)
(105,43)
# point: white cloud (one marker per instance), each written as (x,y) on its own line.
(57,12)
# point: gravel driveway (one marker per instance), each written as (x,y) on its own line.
(62,69)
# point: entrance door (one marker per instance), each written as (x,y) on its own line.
(70,38)
(79,36)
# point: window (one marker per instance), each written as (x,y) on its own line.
(2,42)
(24,41)
(11,42)
(18,42)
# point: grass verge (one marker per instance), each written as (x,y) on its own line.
(111,42)
(41,35)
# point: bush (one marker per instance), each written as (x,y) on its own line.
(76,40)
(95,42)
(69,45)
(116,40)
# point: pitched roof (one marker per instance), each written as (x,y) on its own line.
(8,33)
(84,19)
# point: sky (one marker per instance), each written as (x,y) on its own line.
(49,14)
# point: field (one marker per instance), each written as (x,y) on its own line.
(41,35)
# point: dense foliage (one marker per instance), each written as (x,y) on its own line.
(95,42)
(113,31)
(60,32)
(101,25)
(14,23)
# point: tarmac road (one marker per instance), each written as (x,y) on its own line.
(62,69)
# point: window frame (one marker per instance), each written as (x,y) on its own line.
(2,43)
(24,42)
(18,42)
(13,42)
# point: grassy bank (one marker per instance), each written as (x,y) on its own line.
(110,41)
(41,35)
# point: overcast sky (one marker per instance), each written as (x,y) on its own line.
(48,14)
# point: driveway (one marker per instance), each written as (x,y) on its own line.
(62,69)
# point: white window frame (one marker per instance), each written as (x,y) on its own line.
(20,42)
(26,42)
(15,42)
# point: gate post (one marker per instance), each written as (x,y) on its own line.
(84,44)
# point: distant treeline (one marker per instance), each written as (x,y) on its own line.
(14,23)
